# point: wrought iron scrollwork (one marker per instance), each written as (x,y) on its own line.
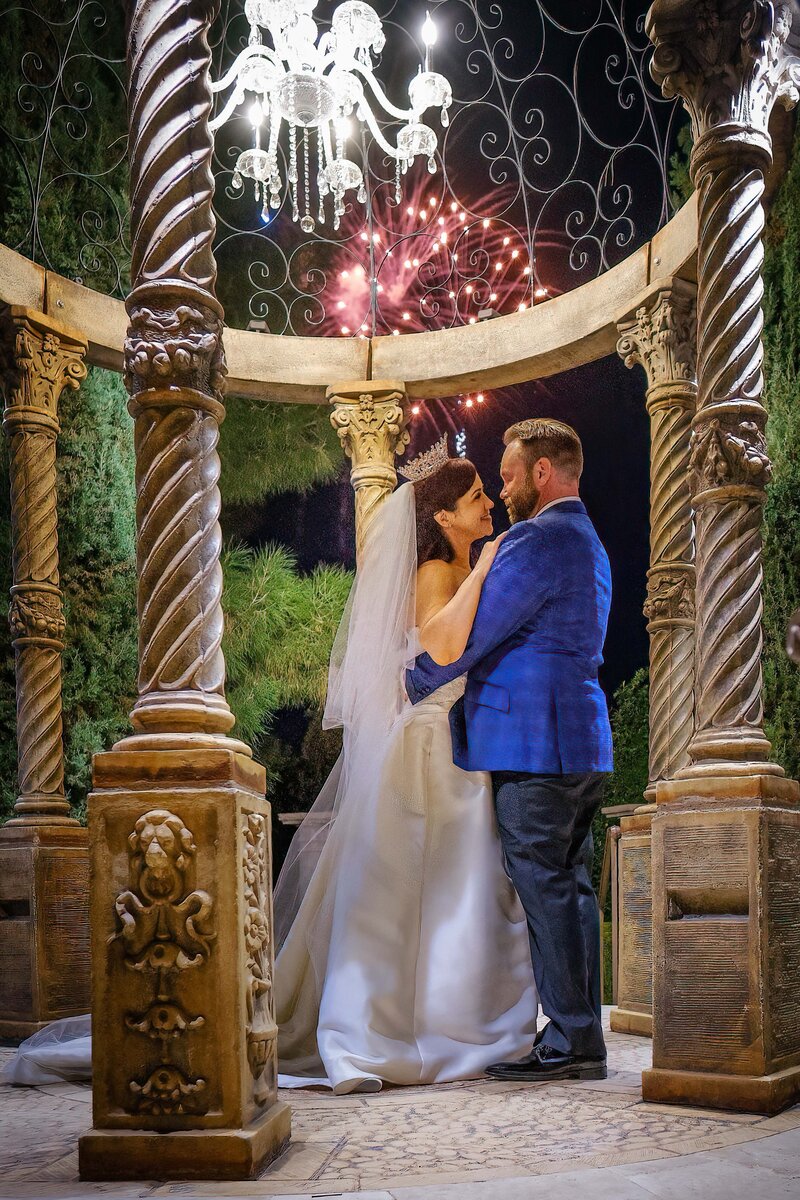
(557,155)
(63,146)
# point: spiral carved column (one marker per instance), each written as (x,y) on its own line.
(726,833)
(658,333)
(42,360)
(186,1041)
(371,420)
(44,972)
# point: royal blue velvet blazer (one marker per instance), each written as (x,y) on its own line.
(532,700)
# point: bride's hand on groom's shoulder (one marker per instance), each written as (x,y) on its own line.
(487,554)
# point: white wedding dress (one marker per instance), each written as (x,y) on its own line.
(428,973)
(403,948)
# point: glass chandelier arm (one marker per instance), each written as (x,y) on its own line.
(232,102)
(365,113)
(256,51)
(403,114)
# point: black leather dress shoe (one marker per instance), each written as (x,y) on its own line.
(545,1063)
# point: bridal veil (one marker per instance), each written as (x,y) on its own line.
(373,646)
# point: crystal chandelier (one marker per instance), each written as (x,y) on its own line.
(316,84)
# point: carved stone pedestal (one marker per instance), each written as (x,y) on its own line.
(726,1002)
(185,1050)
(633,1011)
(44,926)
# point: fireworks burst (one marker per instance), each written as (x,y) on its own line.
(426,264)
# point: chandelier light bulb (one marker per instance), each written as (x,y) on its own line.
(429,31)
(323,87)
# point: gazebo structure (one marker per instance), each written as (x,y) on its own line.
(181,926)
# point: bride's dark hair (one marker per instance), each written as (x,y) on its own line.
(441,490)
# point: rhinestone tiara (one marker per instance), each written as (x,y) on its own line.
(426,463)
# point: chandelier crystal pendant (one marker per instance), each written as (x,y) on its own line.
(316,84)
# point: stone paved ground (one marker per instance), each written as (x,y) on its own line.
(465,1141)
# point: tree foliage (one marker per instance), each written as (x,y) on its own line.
(782,514)
(268,448)
(629,710)
(680,180)
(279,628)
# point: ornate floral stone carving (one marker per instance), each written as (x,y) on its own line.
(165,929)
(36,614)
(163,1021)
(185,343)
(262,1030)
(670,597)
(661,336)
(726,60)
(724,454)
(41,364)
(40,359)
(165,926)
(372,427)
(168,1090)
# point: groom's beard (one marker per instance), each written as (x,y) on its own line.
(523,505)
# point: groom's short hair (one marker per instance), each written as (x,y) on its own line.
(542,437)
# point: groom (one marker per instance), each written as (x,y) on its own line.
(535,716)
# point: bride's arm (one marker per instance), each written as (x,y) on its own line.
(444,619)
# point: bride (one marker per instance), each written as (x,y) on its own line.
(402,947)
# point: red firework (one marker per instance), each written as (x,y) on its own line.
(428,263)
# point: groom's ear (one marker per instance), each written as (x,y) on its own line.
(542,470)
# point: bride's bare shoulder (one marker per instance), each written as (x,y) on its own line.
(436,570)
(437,583)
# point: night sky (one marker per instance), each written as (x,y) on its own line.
(604,401)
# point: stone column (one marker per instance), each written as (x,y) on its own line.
(44,867)
(726,834)
(658,333)
(184,1035)
(370,418)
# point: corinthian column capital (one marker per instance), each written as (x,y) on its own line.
(40,358)
(728,61)
(659,333)
(371,419)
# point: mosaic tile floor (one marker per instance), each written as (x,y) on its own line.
(460,1133)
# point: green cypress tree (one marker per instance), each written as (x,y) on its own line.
(782,513)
